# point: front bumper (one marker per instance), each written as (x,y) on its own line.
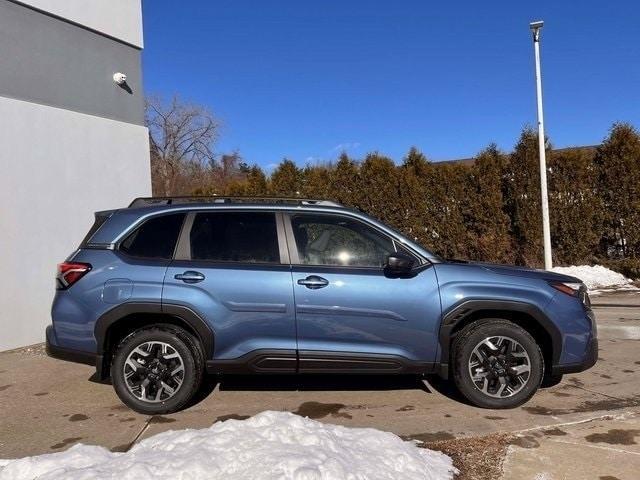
(68,354)
(590,359)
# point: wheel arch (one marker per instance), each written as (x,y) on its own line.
(118,322)
(525,315)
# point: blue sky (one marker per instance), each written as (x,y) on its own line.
(305,80)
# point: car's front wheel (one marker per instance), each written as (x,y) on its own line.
(497,364)
(157,370)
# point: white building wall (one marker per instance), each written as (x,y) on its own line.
(121,19)
(57,168)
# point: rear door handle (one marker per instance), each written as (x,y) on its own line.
(313,282)
(190,277)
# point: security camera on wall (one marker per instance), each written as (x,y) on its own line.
(119,78)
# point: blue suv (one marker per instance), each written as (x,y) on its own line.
(162,292)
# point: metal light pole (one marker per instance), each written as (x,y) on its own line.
(546,231)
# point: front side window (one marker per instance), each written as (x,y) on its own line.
(155,238)
(340,241)
(247,237)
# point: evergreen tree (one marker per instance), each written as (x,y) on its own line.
(618,164)
(415,219)
(575,209)
(446,185)
(316,181)
(254,184)
(377,192)
(522,185)
(344,181)
(488,235)
(286,180)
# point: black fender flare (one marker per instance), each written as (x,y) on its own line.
(462,310)
(180,312)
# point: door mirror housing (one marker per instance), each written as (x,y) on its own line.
(398,265)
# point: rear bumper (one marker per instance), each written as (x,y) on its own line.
(68,354)
(590,359)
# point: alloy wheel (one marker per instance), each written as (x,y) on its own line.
(499,366)
(154,371)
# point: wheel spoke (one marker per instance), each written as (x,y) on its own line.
(503,384)
(520,369)
(159,393)
(169,390)
(479,375)
(480,354)
(485,385)
(140,352)
(135,366)
(143,388)
(522,354)
(490,345)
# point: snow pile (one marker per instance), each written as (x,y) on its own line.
(596,277)
(270,445)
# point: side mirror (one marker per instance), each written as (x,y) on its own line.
(398,265)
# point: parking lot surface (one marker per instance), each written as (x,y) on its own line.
(586,427)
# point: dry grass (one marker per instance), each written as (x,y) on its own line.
(477,458)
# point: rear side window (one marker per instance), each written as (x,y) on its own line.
(248,237)
(155,238)
(100,218)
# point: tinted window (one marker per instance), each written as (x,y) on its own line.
(249,237)
(156,238)
(101,217)
(337,240)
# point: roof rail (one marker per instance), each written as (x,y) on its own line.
(150,201)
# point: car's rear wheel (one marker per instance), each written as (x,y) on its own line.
(497,364)
(157,370)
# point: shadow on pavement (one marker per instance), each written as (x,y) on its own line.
(320,382)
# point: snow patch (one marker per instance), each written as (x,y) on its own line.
(597,277)
(270,445)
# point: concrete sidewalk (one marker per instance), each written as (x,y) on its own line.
(582,428)
(605,448)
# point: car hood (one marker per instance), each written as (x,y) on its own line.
(518,271)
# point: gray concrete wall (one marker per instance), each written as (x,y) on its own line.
(53,62)
(71,142)
(120,19)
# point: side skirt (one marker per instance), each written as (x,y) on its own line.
(319,362)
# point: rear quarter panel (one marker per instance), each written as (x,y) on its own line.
(113,280)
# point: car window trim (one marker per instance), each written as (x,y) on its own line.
(183,246)
(293,247)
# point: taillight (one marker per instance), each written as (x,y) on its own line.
(69,273)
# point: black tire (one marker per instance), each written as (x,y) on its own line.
(184,344)
(462,351)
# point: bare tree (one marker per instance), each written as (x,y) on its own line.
(181,137)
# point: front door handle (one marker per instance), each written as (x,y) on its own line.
(313,282)
(190,277)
